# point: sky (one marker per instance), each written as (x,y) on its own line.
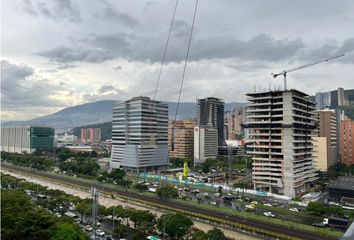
(60,53)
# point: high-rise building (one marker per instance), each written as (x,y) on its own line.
(341,97)
(205,143)
(323,100)
(281,124)
(27,139)
(326,130)
(210,113)
(347,142)
(183,143)
(90,135)
(140,134)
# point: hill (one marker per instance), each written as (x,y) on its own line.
(101,112)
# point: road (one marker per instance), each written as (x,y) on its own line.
(172,205)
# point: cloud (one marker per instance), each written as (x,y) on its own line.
(132,47)
(112,14)
(57,10)
(21,87)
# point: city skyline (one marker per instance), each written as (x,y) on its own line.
(95,51)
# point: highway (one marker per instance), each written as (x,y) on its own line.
(172,205)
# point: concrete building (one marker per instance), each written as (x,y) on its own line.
(210,113)
(140,134)
(205,143)
(90,135)
(323,100)
(325,140)
(341,97)
(27,139)
(347,142)
(281,124)
(183,144)
(64,139)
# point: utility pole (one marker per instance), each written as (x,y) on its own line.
(94,209)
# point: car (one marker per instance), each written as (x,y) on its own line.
(187,189)
(88,228)
(294,209)
(212,203)
(239,199)
(269,214)
(195,191)
(57,214)
(100,233)
(268,204)
(217,195)
(109,217)
(254,202)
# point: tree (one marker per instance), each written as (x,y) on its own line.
(316,208)
(117,174)
(167,191)
(141,187)
(241,185)
(216,234)
(140,216)
(119,231)
(176,226)
(65,231)
(199,235)
(84,208)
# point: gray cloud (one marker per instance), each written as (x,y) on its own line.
(57,10)
(100,48)
(110,13)
(21,87)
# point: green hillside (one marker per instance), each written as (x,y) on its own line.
(106,130)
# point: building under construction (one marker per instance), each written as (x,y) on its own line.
(280,126)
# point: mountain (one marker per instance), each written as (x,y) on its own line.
(101,112)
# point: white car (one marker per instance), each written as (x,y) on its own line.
(269,214)
(294,209)
(254,202)
(100,233)
(268,204)
(88,228)
(212,203)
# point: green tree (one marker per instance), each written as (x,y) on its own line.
(166,191)
(119,231)
(242,185)
(216,234)
(117,174)
(199,235)
(65,231)
(84,208)
(176,226)
(141,187)
(316,208)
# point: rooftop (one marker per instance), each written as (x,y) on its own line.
(346,183)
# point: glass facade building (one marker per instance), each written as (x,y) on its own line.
(139,134)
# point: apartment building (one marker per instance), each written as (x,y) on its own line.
(347,142)
(325,139)
(140,134)
(182,145)
(90,135)
(205,143)
(280,125)
(26,139)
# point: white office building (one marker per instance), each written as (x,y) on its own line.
(140,134)
(205,143)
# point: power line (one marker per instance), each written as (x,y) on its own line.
(186,60)
(165,51)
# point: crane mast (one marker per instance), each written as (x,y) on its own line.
(285,72)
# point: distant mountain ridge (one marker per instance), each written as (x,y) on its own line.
(101,112)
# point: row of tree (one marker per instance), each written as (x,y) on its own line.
(125,220)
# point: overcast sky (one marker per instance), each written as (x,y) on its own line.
(60,53)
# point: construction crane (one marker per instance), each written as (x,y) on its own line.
(285,72)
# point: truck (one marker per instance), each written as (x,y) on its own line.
(334,222)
